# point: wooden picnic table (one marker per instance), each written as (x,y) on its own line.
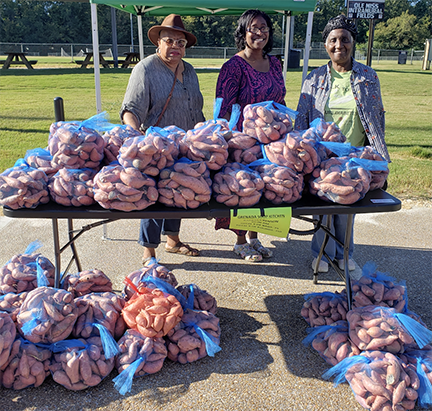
(89,60)
(17,59)
(131,58)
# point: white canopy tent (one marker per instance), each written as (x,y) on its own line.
(204,7)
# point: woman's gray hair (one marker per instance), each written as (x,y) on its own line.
(339,22)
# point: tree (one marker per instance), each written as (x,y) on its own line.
(422,8)
(402,32)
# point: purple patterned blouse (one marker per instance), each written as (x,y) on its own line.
(240,83)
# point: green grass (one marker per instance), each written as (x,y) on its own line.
(27,109)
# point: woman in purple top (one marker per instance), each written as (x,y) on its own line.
(251,76)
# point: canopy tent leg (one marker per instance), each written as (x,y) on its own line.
(95,38)
(140,37)
(287,34)
(114,36)
(307,46)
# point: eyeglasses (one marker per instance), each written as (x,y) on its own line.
(171,42)
(255,30)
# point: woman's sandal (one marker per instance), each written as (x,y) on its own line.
(184,249)
(148,261)
(247,252)
(256,244)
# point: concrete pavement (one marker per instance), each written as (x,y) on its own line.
(263,364)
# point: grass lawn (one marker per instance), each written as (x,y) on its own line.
(27,109)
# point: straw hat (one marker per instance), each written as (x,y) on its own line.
(173,22)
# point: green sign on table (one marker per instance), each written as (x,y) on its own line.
(272,221)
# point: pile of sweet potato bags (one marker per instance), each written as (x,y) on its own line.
(83,331)
(122,169)
(381,348)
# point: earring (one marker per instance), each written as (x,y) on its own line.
(157,50)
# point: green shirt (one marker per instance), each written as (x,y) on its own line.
(341,108)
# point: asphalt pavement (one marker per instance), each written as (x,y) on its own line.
(263,364)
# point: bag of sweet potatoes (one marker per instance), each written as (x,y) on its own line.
(379,380)
(282,184)
(344,181)
(114,139)
(27,366)
(79,144)
(237,185)
(186,184)
(22,186)
(41,159)
(268,121)
(382,328)
(152,311)
(206,143)
(125,189)
(47,315)
(144,277)
(82,364)
(26,271)
(149,153)
(139,356)
(194,337)
(332,342)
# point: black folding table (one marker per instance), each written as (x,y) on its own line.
(377,201)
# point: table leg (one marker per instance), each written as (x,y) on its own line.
(346,258)
(72,245)
(103,62)
(57,252)
(8,61)
(126,63)
(327,230)
(86,61)
(26,62)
